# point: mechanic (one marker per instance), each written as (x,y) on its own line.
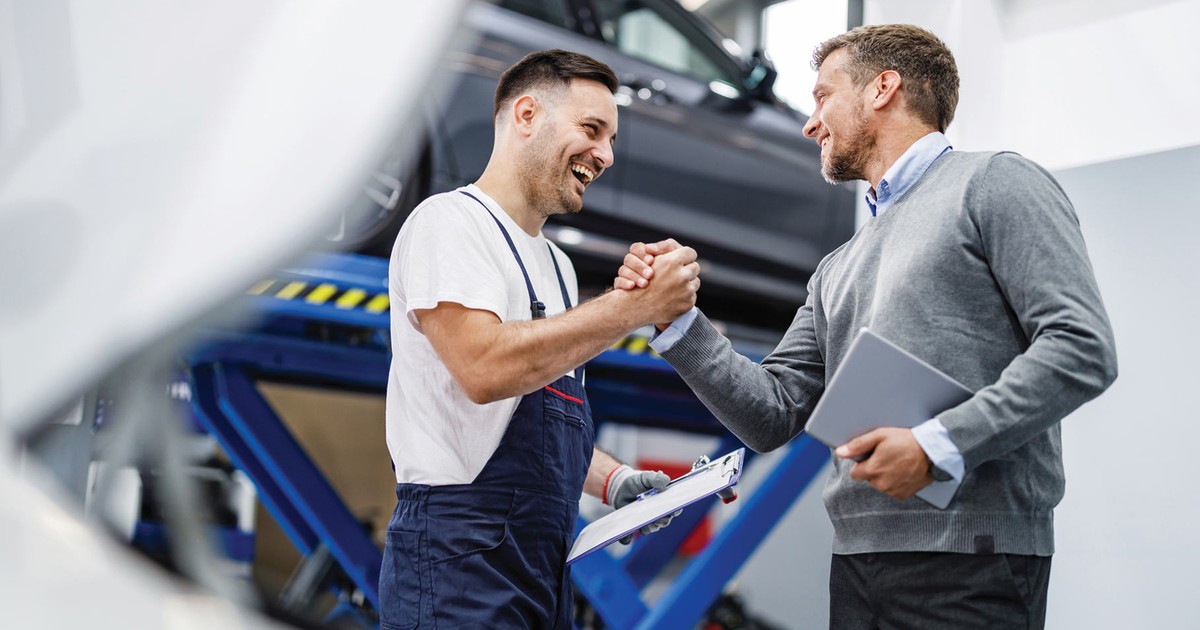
(488,423)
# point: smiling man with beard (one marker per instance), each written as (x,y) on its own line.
(488,424)
(973,262)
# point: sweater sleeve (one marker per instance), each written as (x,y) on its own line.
(765,405)
(1031,238)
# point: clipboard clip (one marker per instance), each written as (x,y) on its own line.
(728,495)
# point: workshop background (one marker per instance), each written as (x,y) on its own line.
(1099,92)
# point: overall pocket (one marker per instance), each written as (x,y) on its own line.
(566,443)
(400,580)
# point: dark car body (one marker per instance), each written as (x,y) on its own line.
(706,153)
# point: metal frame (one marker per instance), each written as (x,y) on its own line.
(223,372)
(628,384)
(303,502)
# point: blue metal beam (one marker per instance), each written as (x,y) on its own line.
(207,407)
(286,358)
(284,467)
(694,590)
(348,270)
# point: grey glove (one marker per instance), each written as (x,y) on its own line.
(624,486)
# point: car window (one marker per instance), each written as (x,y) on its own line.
(551,11)
(647,32)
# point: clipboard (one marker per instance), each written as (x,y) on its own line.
(877,385)
(708,479)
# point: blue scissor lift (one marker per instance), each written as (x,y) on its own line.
(326,322)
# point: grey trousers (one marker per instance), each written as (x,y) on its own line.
(926,591)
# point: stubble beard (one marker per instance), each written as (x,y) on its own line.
(542,179)
(850,162)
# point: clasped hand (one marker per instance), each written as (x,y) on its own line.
(670,262)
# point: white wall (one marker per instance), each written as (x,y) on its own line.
(1127,530)
(1066,82)
(1102,93)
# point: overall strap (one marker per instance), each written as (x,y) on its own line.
(562,286)
(536,308)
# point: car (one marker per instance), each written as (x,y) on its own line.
(707,153)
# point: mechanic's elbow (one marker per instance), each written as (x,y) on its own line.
(478,388)
(487,381)
(481,392)
(478,397)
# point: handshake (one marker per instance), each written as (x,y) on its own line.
(660,280)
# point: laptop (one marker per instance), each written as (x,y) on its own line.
(878,385)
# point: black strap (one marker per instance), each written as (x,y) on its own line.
(579,371)
(562,286)
(536,308)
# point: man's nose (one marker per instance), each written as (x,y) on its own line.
(812,127)
(603,154)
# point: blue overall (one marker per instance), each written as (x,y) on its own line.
(492,553)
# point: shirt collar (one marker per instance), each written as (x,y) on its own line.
(906,171)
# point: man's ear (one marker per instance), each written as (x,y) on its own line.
(884,88)
(526,110)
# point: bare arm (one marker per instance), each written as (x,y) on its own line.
(602,466)
(494,360)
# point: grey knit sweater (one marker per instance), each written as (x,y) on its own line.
(980,270)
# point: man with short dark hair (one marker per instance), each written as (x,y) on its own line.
(973,262)
(487,420)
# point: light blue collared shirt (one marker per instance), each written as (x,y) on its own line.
(667,339)
(906,171)
(932,435)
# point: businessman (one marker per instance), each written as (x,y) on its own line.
(973,262)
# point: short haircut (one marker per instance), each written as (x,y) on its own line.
(929,76)
(550,68)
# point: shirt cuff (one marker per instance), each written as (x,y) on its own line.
(661,342)
(935,441)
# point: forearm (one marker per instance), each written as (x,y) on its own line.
(493,360)
(598,473)
(764,405)
(515,358)
(1059,372)
(511,359)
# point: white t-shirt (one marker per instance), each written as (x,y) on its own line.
(450,250)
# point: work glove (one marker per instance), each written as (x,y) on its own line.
(624,486)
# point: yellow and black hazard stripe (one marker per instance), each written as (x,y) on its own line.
(322,293)
(635,344)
